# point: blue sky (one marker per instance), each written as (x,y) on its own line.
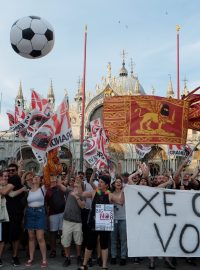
(145,29)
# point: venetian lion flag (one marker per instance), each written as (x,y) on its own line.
(146,119)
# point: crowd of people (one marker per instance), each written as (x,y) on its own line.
(39,214)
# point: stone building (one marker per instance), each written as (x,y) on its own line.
(125,83)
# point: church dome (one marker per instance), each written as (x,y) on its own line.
(123,71)
(128,85)
(124,84)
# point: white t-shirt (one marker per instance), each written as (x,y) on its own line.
(36,198)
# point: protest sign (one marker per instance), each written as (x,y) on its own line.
(104,218)
(162,222)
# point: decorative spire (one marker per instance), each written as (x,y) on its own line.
(185,90)
(50,94)
(20,93)
(89,95)
(19,101)
(98,89)
(123,71)
(109,71)
(79,83)
(123,54)
(132,64)
(78,96)
(136,90)
(153,91)
(170,91)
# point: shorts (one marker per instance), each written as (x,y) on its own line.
(56,222)
(5,228)
(71,229)
(12,230)
(35,218)
(104,237)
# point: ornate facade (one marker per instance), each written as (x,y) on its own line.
(122,84)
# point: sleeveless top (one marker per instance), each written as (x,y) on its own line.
(99,198)
(119,211)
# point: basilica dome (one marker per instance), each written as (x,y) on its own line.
(123,84)
(128,85)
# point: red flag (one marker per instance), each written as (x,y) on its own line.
(37,101)
(19,113)
(54,133)
(194,111)
(11,118)
(195,125)
(96,147)
(193,98)
(146,119)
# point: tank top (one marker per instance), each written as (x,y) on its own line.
(36,198)
(119,211)
(99,198)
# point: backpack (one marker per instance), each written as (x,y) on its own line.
(57,201)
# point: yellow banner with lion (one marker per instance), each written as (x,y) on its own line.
(146,119)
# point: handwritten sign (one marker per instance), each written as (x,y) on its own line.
(162,222)
(104,218)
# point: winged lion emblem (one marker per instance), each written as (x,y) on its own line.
(152,122)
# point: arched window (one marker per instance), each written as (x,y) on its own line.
(65,153)
(25,153)
(2,152)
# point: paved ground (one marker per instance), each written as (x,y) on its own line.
(57,263)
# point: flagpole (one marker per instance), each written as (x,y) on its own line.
(178,67)
(0,102)
(83,102)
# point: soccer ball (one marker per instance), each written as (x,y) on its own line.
(32,37)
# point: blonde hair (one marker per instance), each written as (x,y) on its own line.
(25,175)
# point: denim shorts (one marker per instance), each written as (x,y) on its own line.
(56,222)
(35,218)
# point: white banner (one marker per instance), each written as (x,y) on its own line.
(142,149)
(162,222)
(90,151)
(96,147)
(176,150)
(54,133)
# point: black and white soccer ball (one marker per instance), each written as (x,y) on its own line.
(32,37)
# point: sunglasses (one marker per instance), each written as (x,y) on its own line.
(11,170)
